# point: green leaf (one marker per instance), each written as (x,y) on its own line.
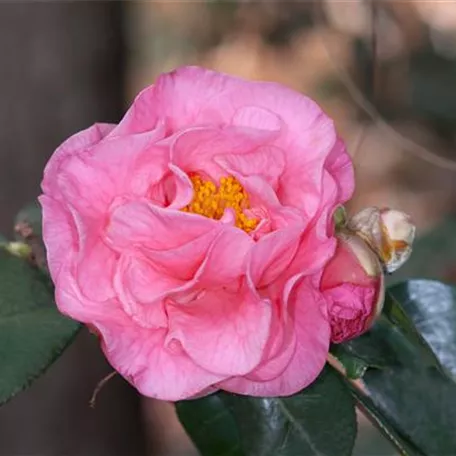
(432,307)
(414,394)
(393,340)
(354,367)
(371,348)
(32,331)
(320,420)
(211,426)
(379,420)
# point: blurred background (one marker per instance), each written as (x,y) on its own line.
(384,70)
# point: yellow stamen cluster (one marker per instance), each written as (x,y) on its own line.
(211,201)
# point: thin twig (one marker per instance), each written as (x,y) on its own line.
(99,386)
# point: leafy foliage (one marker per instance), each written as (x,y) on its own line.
(409,391)
(32,331)
(320,420)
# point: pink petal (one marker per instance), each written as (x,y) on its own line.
(73,303)
(95,270)
(78,181)
(266,161)
(312,332)
(114,166)
(134,162)
(257,117)
(139,224)
(279,350)
(183,189)
(157,371)
(226,260)
(272,255)
(222,332)
(224,99)
(183,261)
(59,234)
(174,190)
(345,267)
(194,149)
(351,308)
(301,184)
(74,145)
(221,100)
(340,165)
(141,289)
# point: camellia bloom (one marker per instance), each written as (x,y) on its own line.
(192,237)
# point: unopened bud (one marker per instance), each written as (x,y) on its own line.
(389,233)
(353,286)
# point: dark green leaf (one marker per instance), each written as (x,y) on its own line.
(32,332)
(419,403)
(432,307)
(320,420)
(414,394)
(393,340)
(354,367)
(371,348)
(211,426)
(411,346)
(383,424)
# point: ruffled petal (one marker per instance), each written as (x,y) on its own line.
(272,255)
(226,260)
(140,225)
(301,184)
(141,290)
(194,149)
(267,162)
(340,165)
(155,370)
(312,344)
(75,145)
(59,234)
(222,332)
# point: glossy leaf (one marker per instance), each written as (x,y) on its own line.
(414,394)
(383,424)
(32,331)
(371,348)
(211,426)
(354,367)
(432,307)
(393,340)
(320,420)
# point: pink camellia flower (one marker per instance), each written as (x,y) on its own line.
(193,235)
(353,287)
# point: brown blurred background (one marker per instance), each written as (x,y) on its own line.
(385,70)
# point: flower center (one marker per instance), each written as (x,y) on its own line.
(211,201)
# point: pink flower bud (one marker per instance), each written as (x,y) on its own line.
(353,286)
